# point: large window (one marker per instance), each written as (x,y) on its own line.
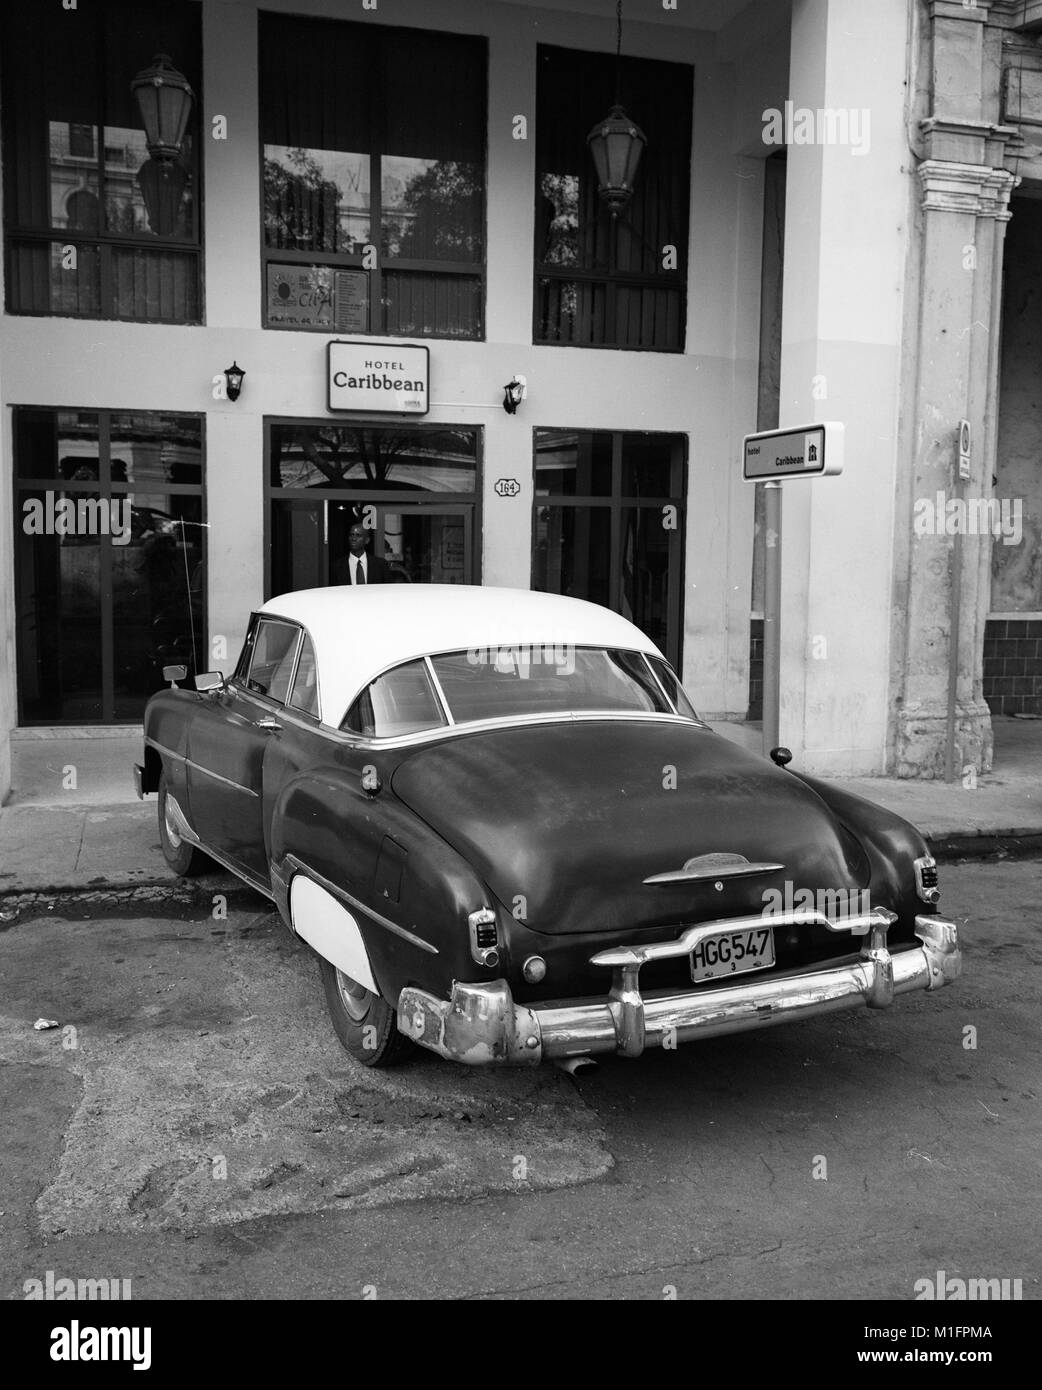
(373,148)
(609,525)
(601,282)
(81,237)
(109,560)
(411,491)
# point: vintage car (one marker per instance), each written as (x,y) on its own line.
(507,835)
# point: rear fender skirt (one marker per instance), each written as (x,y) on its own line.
(328,927)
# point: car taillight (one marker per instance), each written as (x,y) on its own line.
(484,939)
(926,880)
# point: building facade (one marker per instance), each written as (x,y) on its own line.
(815,231)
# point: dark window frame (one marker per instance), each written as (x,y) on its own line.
(107,244)
(271,255)
(381,498)
(616,502)
(613,279)
(106,489)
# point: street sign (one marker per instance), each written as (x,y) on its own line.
(811,451)
(770,457)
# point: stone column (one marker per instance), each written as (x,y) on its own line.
(942,725)
(846,215)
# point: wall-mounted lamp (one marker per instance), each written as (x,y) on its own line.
(514,392)
(233,376)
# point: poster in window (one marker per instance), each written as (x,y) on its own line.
(351,301)
(300,296)
(318,296)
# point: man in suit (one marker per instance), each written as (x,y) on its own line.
(358,567)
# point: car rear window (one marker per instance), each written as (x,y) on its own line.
(509,682)
(501,682)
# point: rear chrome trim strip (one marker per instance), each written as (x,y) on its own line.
(291,861)
(713,871)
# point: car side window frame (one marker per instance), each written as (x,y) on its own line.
(246,655)
(654,662)
(316,713)
(445,720)
(243,678)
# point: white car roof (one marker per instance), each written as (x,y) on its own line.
(359,632)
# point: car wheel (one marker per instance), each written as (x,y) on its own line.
(183,857)
(365,1024)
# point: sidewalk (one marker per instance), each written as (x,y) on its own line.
(56,837)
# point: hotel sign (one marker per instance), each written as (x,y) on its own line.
(378,377)
(811,451)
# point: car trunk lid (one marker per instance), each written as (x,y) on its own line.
(565,821)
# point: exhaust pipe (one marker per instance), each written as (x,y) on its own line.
(574,1065)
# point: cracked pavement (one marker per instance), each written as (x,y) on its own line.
(193,1125)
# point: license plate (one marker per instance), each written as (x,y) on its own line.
(733,953)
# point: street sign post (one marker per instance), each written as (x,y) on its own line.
(770,457)
(812,451)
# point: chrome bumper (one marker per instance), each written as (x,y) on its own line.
(481,1023)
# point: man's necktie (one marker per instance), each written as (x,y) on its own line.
(359,572)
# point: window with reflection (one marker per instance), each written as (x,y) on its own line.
(399,702)
(373,149)
(411,489)
(599,281)
(110,560)
(609,524)
(95,226)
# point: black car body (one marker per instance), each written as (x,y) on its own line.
(508,837)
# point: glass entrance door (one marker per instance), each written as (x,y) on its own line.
(412,488)
(427,545)
(609,525)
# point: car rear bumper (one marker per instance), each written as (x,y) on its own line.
(481,1023)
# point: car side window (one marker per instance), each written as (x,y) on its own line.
(304,695)
(399,702)
(274,650)
(673,688)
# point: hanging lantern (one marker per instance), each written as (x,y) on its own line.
(162,184)
(164,100)
(616,144)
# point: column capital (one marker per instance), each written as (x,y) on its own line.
(966,188)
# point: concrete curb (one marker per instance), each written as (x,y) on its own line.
(985,844)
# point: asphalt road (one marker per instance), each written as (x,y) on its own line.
(193,1125)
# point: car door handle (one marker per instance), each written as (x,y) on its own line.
(270,724)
